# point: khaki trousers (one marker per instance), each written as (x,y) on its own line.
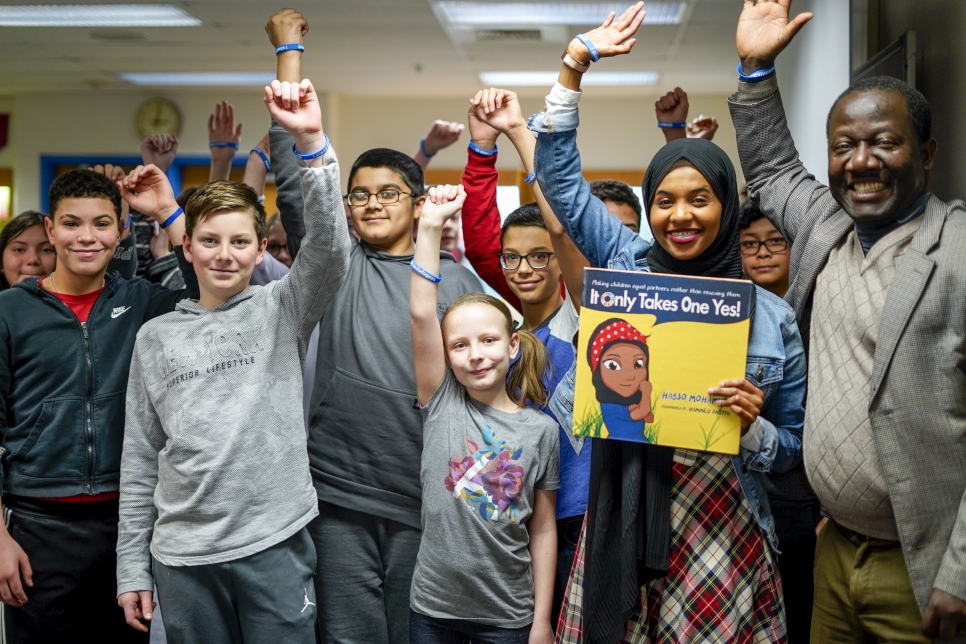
(862,591)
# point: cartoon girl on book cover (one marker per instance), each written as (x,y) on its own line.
(619,360)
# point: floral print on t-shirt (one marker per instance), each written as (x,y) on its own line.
(490,478)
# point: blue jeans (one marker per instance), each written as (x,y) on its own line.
(430,630)
(568,534)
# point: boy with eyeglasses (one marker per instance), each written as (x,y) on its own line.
(365,426)
(764,250)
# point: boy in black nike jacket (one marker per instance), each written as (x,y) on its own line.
(65,350)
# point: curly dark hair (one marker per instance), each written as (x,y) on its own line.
(83,184)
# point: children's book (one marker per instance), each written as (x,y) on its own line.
(650,346)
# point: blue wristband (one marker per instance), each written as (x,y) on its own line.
(671,125)
(127,224)
(422,149)
(530,177)
(757,75)
(268,164)
(313,155)
(295,46)
(223,144)
(170,220)
(435,279)
(594,54)
(483,152)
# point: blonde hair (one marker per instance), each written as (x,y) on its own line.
(525,380)
(224,196)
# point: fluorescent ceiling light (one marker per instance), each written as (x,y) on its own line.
(478,14)
(96,15)
(537,79)
(237,79)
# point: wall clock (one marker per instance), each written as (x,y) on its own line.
(158,116)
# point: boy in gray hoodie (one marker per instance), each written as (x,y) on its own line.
(215,483)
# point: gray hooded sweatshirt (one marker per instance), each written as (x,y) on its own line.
(215,466)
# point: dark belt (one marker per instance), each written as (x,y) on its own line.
(858,538)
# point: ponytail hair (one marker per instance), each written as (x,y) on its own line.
(525,379)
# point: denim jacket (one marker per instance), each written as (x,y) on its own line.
(776,356)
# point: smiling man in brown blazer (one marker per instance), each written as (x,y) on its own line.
(880,293)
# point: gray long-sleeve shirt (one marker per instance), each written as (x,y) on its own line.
(215,466)
(365,428)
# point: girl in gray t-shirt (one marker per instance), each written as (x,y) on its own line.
(489,469)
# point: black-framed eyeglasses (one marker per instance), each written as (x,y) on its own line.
(537,260)
(385,197)
(774,245)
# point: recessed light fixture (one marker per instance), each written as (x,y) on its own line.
(478,14)
(237,79)
(538,79)
(96,15)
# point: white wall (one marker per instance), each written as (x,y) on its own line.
(812,72)
(615,133)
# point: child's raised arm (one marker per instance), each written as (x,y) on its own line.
(429,354)
(500,109)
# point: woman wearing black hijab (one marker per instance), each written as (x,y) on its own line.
(677,545)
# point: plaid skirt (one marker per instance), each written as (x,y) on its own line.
(722,583)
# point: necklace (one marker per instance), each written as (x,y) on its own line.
(53,287)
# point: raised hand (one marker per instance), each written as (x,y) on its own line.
(295,106)
(498,109)
(672,107)
(441,134)
(159,149)
(612,38)
(115,173)
(642,410)
(441,203)
(702,127)
(221,126)
(147,189)
(764,31)
(286,27)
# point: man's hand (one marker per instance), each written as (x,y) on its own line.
(744,398)
(159,149)
(672,107)
(441,134)
(147,189)
(702,127)
(612,38)
(945,616)
(14,568)
(764,31)
(286,27)
(295,106)
(138,608)
(441,203)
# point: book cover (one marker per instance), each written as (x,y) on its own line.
(650,346)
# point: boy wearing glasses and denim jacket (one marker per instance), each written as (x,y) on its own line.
(364,422)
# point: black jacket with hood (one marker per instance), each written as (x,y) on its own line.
(63,383)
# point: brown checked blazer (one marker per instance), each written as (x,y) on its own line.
(918,382)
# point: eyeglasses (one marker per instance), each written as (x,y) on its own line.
(385,197)
(774,245)
(538,260)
